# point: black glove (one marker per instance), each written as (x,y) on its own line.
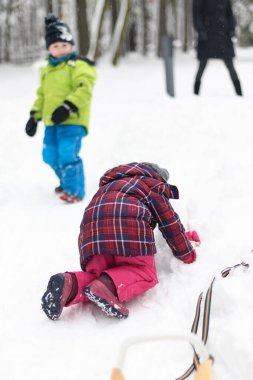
(62,113)
(31,125)
(202,36)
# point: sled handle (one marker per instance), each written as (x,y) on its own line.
(203,371)
(190,338)
(117,374)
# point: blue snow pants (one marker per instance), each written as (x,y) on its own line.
(61,146)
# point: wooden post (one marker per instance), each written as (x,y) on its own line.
(167,50)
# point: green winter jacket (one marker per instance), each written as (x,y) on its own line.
(73,81)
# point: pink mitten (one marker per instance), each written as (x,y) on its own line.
(189,235)
(193,237)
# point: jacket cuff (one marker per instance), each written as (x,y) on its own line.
(35,115)
(70,106)
(190,258)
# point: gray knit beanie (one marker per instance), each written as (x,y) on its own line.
(161,171)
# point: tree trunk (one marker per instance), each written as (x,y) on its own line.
(162,25)
(114,13)
(145,15)
(49,6)
(120,29)
(171,18)
(187,19)
(174,10)
(64,10)
(7,39)
(96,27)
(82,26)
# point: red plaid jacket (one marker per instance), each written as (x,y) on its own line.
(132,199)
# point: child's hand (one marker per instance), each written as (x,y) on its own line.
(62,113)
(193,238)
(31,125)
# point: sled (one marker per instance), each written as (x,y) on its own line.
(203,369)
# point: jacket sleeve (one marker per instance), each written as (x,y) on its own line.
(198,9)
(38,104)
(84,76)
(171,228)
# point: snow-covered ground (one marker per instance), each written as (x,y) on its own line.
(206,144)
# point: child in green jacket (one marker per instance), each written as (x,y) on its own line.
(63,103)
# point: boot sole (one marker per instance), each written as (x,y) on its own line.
(51,300)
(104,305)
(70,199)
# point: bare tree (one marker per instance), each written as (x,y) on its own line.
(243,11)
(114,6)
(82,26)
(96,28)
(119,32)
(145,17)
(49,6)
(116,25)
(7,32)
(162,24)
(172,16)
(187,21)
(64,10)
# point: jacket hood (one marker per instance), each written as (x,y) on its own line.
(134,169)
(129,170)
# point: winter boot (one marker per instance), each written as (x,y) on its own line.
(105,297)
(69,198)
(197,87)
(59,292)
(237,86)
(58,190)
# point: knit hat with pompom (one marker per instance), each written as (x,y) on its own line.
(56,31)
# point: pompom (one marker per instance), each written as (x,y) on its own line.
(51,19)
(161,171)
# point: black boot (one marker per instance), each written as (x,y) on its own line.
(196,87)
(237,86)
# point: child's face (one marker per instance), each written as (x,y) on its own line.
(60,49)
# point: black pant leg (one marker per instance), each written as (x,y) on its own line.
(230,66)
(233,74)
(202,66)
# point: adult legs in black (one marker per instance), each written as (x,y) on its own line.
(233,74)
(202,66)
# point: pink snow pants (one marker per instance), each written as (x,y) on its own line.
(132,276)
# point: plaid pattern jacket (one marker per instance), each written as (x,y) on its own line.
(132,199)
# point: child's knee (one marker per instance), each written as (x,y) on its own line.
(67,155)
(49,156)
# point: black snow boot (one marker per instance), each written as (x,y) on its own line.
(237,86)
(196,87)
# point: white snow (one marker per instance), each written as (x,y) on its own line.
(206,144)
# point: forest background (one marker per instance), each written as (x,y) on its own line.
(108,27)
